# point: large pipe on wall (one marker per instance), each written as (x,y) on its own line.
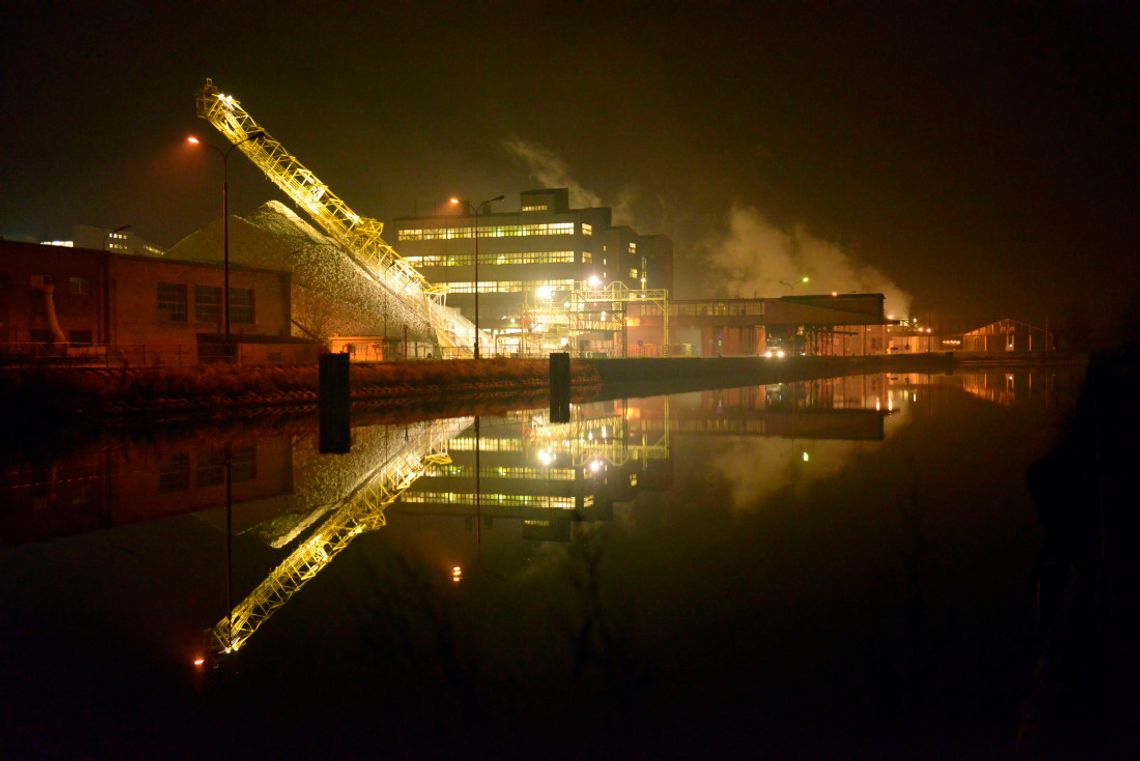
(48,291)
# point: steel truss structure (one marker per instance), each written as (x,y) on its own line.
(360,237)
(602,308)
(362,510)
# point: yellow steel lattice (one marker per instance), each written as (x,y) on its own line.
(359,236)
(362,510)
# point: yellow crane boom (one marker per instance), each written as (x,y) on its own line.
(359,236)
(360,511)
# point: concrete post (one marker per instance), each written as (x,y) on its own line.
(560,387)
(335,404)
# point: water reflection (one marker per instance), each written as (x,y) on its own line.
(360,510)
(708,559)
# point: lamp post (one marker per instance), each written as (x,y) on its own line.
(255,135)
(792,285)
(474,212)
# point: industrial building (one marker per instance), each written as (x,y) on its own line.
(814,325)
(80,303)
(1008,335)
(529,259)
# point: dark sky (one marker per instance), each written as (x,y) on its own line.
(982,156)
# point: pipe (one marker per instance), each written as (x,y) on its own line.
(49,309)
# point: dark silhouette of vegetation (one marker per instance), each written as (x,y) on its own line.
(1086,702)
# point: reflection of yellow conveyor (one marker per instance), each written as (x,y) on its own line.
(362,510)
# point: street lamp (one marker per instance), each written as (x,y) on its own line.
(792,286)
(255,135)
(474,212)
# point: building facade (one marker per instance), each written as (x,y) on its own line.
(532,257)
(72,302)
(823,325)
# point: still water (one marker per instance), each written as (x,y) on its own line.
(845,565)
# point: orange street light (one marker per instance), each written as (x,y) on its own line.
(192,140)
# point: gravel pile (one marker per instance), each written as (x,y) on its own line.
(332,295)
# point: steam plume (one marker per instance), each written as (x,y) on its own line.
(756,257)
(550,171)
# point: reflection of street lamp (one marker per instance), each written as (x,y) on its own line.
(255,135)
(474,212)
(792,285)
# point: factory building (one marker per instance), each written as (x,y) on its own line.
(529,257)
(79,303)
(815,325)
(1008,335)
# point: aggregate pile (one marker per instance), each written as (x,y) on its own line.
(331,294)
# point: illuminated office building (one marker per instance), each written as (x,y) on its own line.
(535,254)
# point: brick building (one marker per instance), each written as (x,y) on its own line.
(122,308)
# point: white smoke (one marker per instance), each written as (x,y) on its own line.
(756,258)
(550,171)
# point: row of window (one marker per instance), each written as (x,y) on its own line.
(76,286)
(510,286)
(173,304)
(467,471)
(490,231)
(513,257)
(486,444)
(490,500)
(174,474)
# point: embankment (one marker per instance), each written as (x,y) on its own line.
(36,396)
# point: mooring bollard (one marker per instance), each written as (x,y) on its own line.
(560,387)
(335,404)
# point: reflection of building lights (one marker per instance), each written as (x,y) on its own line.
(456,573)
(878,405)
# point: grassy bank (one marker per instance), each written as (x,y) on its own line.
(96,393)
(40,395)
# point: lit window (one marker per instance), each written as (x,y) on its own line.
(489,231)
(506,257)
(587,257)
(536,207)
(633,273)
(77,286)
(633,248)
(587,228)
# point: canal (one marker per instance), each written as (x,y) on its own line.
(841,567)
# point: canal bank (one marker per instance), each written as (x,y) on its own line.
(42,396)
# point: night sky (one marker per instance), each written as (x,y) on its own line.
(982,157)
